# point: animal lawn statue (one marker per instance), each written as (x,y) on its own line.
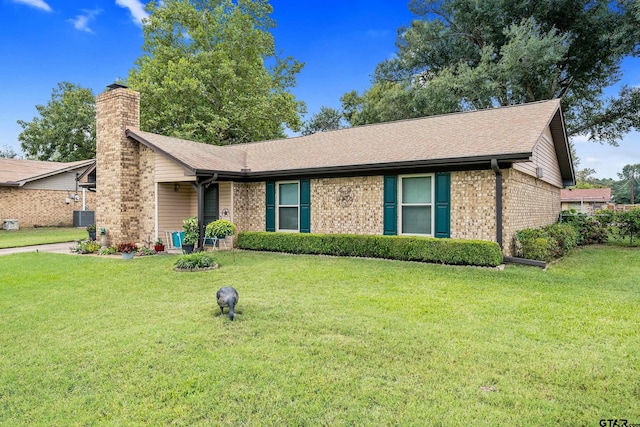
(227,297)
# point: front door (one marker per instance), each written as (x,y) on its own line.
(211,203)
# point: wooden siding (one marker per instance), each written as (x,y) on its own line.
(63,181)
(166,170)
(175,206)
(544,156)
(226,199)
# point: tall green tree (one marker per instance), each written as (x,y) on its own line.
(326,119)
(7,152)
(477,54)
(627,189)
(210,73)
(65,131)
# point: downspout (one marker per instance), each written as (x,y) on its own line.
(498,172)
(200,186)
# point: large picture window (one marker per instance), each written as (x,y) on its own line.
(416,204)
(288,203)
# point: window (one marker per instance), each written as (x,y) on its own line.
(288,203)
(416,210)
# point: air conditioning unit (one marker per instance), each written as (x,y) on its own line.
(10,224)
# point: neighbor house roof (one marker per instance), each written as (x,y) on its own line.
(17,172)
(586,195)
(507,134)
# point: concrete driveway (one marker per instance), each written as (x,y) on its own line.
(58,248)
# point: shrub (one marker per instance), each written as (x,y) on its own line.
(111,250)
(627,224)
(195,261)
(425,249)
(85,246)
(145,251)
(546,243)
(590,230)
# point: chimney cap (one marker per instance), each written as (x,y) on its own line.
(116,86)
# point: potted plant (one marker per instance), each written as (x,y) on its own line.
(220,229)
(91,229)
(191,234)
(128,250)
(159,245)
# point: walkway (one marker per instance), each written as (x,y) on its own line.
(58,248)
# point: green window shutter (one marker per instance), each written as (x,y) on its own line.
(305,206)
(390,205)
(271,206)
(443,205)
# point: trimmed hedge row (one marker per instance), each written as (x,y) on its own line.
(425,249)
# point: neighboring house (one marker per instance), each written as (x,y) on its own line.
(587,200)
(40,193)
(476,175)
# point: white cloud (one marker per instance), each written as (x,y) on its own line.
(136,8)
(81,22)
(40,4)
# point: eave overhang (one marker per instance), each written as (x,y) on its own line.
(450,164)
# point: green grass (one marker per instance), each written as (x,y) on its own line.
(318,341)
(39,236)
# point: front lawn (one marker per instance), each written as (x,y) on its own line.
(319,341)
(40,235)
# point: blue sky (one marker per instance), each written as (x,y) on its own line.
(92,43)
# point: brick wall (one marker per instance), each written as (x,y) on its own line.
(249,206)
(347,205)
(119,208)
(528,203)
(40,207)
(473,205)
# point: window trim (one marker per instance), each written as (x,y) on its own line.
(278,206)
(431,204)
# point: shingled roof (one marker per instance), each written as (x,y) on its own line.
(17,172)
(586,194)
(507,134)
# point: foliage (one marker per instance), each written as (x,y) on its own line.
(144,251)
(39,236)
(110,250)
(220,228)
(127,247)
(7,152)
(66,128)
(85,246)
(195,261)
(464,54)
(191,230)
(626,224)
(321,341)
(326,119)
(159,241)
(204,73)
(547,243)
(91,228)
(627,189)
(591,230)
(445,251)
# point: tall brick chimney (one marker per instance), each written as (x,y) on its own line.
(118,165)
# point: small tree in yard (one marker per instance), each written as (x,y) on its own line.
(628,223)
